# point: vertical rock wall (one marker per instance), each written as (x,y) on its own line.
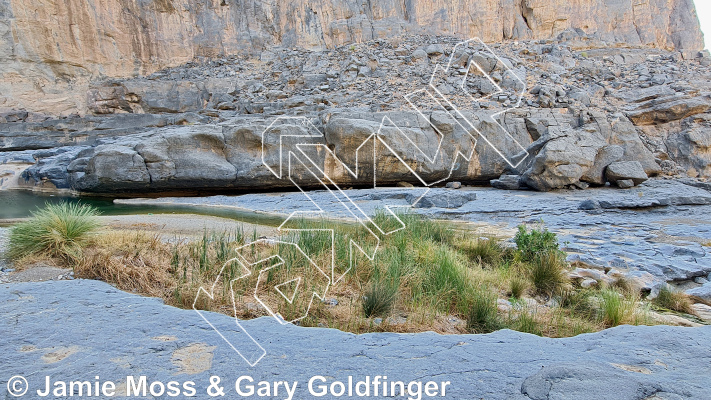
(49,49)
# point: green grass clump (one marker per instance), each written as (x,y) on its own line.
(526,322)
(485,251)
(444,278)
(379,299)
(548,274)
(615,308)
(581,303)
(482,313)
(532,244)
(57,231)
(518,286)
(673,300)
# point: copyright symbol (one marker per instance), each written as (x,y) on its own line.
(17,386)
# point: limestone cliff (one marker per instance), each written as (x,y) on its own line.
(51,49)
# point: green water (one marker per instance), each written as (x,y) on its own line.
(20,204)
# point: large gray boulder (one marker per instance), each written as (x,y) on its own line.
(115,168)
(567,155)
(626,170)
(148,96)
(606,156)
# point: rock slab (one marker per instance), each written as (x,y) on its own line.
(79,329)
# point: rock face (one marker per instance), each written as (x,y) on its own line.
(61,45)
(637,362)
(199,126)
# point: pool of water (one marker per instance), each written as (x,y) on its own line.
(21,204)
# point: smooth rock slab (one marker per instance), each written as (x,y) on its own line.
(79,329)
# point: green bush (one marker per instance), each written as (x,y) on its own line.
(379,299)
(57,231)
(482,314)
(536,242)
(673,300)
(548,273)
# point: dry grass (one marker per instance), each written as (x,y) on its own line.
(131,260)
(426,278)
(674,300)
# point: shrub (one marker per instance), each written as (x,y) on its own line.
(533,243)
(56,231)
(547,274)
(482,314)
(673,300)
(378,299)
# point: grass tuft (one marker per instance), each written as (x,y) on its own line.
(518,286)
(526,322)
(484,251)
(548,274)
(482,314)
(673,300)
(57,231)
(379,299)
(616,309)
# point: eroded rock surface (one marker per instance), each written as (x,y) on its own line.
(74,324)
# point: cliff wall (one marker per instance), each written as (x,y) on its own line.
(51,49)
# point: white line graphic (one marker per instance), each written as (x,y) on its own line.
(294,149)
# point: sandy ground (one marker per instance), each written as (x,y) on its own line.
(182,225)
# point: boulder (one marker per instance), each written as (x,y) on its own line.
(703,291)
(566,156)
(691,148)
(507,182)
(606,156)
(448,199)
(453,185)
(114,168)
(659,111)
(626,170)
(625,183)
(434,50)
